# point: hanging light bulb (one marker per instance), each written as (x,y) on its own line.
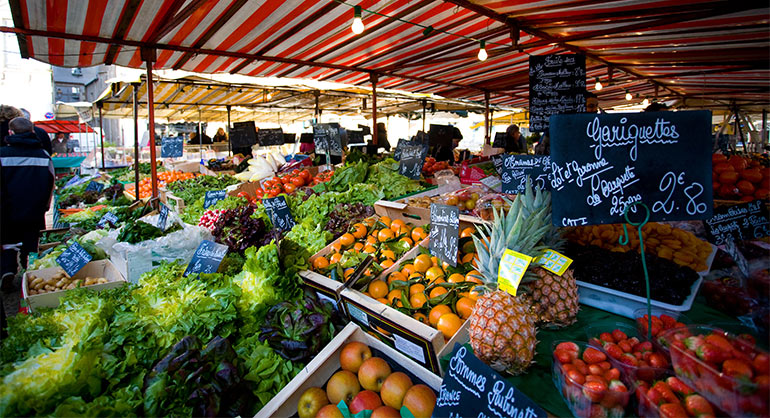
(598,86)
(628,96)
(483,51)
(358,25)
(645,102)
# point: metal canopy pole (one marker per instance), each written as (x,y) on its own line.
(136,139)
(486,118)
(99,105)
(200,135)
(229,142)
(764,127)
(149,56)
(373,78)
(424,104)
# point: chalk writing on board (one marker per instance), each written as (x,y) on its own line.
(517,168)
(279,212)
(556,86)
(740,222)
(73,259)
(206,258)
(444,232)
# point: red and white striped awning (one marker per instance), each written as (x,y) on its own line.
(678,48)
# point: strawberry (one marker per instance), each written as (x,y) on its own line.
(616,394)
(761,363)
(581,366)
(672,410)
(605,365)
(625,346)
(737,368)
(595,378)
(643,346)
(594,390)
(593,356)
(678,386)
(597,411)
(568,345)
(747,339)
(613,350)
(665,391)
(618,386)
(576,377)
(763,381)
(753,404)
(629,359)
(619,335)
(679,325)
(720,342)
(612,374)
(564,356)
(595,369)
(606,337)
(697,405)
(633,341)
(658,361)
(668,321)
(655,397)
(693,343)
(711,354)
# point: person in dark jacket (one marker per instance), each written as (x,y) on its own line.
(45,140)
(6,114)
(26,186)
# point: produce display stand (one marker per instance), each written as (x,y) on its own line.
(326,363)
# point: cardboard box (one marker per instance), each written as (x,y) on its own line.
(326,363)
(246,187)
(391,209)
(99,268)
(209,172)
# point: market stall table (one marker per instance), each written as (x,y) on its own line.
(537,382)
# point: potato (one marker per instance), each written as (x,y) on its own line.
(101,280)
(90,281)
(61,283)
(35,280)
(33,292)
(49,288)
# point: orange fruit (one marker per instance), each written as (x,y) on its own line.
(359,230)
(385,221)
(448,324)
(407,240)
(358,246)
(434,273)
(418,234)
(347,239)
(378,289)
(397,226)
(416,288)
(368,272)
(415,275)
(464,307)
(336,246)
(348,272)
(371,239)
(382,301)
(385,234)
(370,221)
(335,258)
(467,232)
(417,300)
(386,263)
(408,269)
(320,263)
(438,280)
(473,276)
(368,248)
(421,317)
(396,275)
(437,291)
(422,263)
(434,260)
(437,312)
(468,258)
(394,294)
(390,255)
(456,278)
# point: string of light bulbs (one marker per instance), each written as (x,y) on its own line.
(357,26)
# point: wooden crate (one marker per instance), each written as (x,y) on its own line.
(391,209)
(327,362)
(99,268)
(209,172)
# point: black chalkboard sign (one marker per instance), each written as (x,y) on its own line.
(497,160)
(557,85)
(470,388)
(94,187)
(517,168)
(280,214)
(171,147)
(206,258)
(108,218)
(162,216)
(444,232)
(326,136)
(740,222)
(73,259)
(289,138)
(499,141)
(212,197)
(243,134)
(356,137)
(411,160)
(600,164)
(267,137)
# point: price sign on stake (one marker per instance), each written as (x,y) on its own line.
(602,164)
(511,270)
(172,147)
(212,197)
(554,262)
(162,216)
(108,217)
(73,259)
(470,388)
(444,232)
(206,258)
(94,187)
(280,214)
(739,222)
(517,168)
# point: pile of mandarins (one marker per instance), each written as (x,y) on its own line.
(739,178)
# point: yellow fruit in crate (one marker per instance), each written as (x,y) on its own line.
(464,307)
(359,230)
(388,254)
(378,289)
(417,300)
(422,263)
(456,278)
(347,239)
(348,272)
(416,288)
(371,239)
(468,247)
(434,273)
(369,221)
(396,275)
(336,246)
(386,263)
(448,324)
(467,232)
(437,312)
(320,263)
(438,280)
(386,221)
(418,234)
(385,234)
(382,300)
(468,258)
(473,276)
(437,291)
(335,258)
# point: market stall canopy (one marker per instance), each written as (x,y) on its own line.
(179,96)
(63,126)
(675,48)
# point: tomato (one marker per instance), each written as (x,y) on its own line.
(718,158)
(295,171)
(258,191)
(267,183)
(305,175)
(752,175)
(738,162)
(290,188)
(728,177)
(745,187)
(298,182)
(244,195)
(722,167)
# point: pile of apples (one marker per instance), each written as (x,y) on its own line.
(384,392)
(739,178)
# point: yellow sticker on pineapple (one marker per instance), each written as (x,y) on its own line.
(554,262)
(512,267)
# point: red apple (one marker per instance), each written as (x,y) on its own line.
(365,400)
(420,401)
(311,401)
(330,411)
(385,412)
(353,354)
(373,373)
(342,386)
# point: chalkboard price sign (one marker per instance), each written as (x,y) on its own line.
(411,161)
(444,232)
(601,164)
(556,85)
(212,197)
(206,258)
(470,388)
(94,187)
(162,216)
(499,141)
(171,147)
(243,134)
(326,136)
(268,137)
(498,160)
(108,218)
(73,259)
(740,222)
(517,168)
(280,214)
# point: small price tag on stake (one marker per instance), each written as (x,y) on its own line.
(554,262)
(512,267)
(94,187)
(108,217)
(73,259)
(162,216)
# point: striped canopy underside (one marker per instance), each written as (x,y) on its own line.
(697,49)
